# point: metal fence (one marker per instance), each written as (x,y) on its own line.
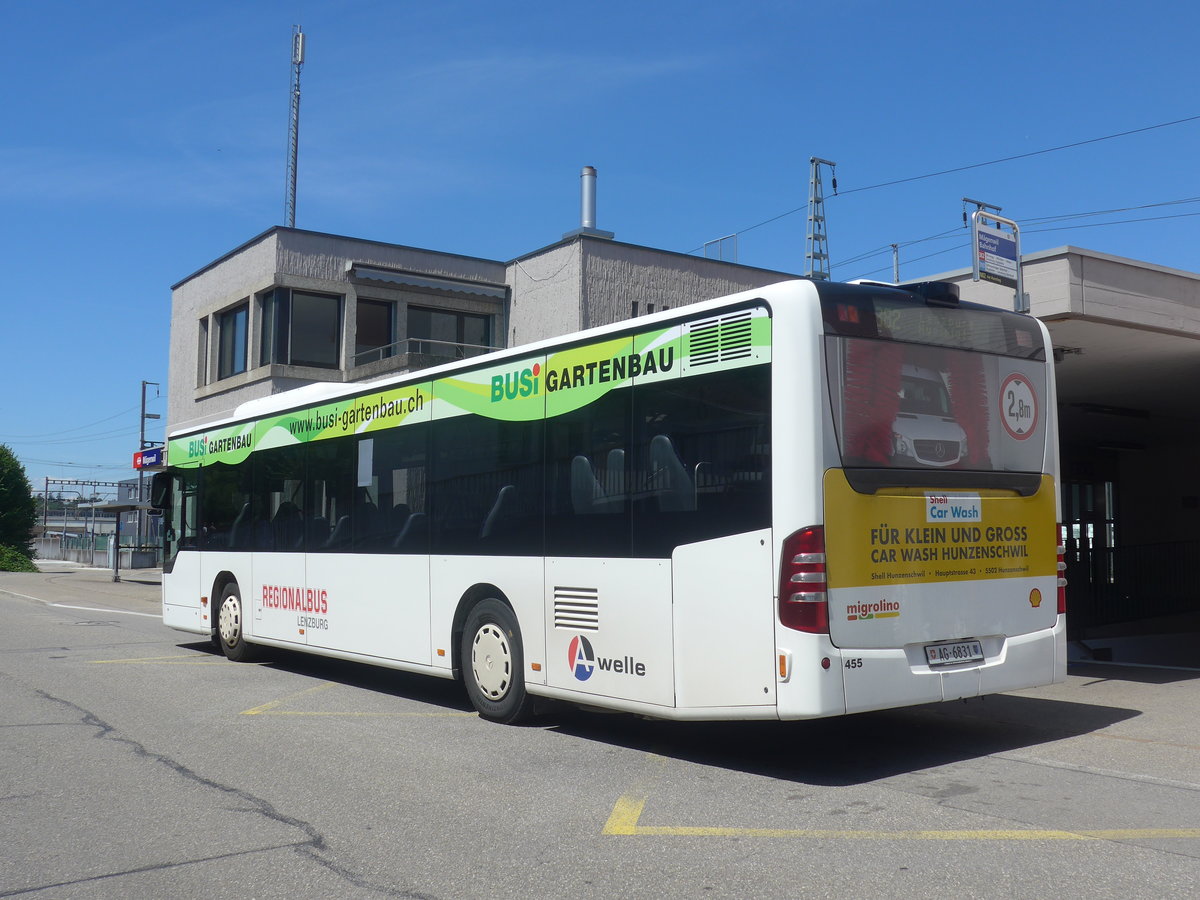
(1108,586)
(95,550)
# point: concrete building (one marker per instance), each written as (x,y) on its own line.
(290,307)
(1127,346)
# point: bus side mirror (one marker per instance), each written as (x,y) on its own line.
(160,490)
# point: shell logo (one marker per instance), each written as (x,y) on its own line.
(1035,598)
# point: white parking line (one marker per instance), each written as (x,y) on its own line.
(121,612)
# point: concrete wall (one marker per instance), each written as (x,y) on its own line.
(312,255)
(309,261)
(586,282)
(545,294)
(219,286)
(1069,281)
(616,275)
(1142,295)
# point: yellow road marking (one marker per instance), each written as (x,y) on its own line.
(267,707)
(627,813)
(272,708)
(162,660)
(365,715)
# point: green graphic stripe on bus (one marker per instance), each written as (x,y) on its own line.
(521,390)
(231,444)
(359,415)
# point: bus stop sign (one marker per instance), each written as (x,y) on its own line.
(148,459)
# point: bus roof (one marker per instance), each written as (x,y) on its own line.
(323,391)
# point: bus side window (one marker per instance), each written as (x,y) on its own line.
(700,459)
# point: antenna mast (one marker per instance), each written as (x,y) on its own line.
(289,202)
(816,245)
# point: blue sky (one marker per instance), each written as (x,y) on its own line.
(140,141)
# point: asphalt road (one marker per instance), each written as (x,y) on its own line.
(134,762)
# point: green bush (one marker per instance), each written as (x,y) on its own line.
(13,560)
(18,510)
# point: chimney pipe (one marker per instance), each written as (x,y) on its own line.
(587,197)
(587,207)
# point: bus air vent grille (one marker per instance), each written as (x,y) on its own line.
(576,608)
(721,339)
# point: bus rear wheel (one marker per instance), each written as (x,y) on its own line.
(493,663)
(230,630)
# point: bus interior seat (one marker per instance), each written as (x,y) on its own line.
(239,531)
(398,517)
(668,478)
(366,513)
(614,473)
(585,489)
(317,532)
(340,536)
(501,510)
(287,525)
(413,535)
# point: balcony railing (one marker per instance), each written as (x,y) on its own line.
(424,347)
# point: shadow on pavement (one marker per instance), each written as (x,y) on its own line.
(837,751)
(419,688)
(856,749)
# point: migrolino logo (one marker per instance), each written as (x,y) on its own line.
(880,609)
(583,661)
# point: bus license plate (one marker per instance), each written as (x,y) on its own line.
(958,652)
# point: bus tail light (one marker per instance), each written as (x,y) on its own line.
(1062,568)
(803,599)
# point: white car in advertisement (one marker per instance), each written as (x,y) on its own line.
(925,432)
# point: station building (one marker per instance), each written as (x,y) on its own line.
(290,307)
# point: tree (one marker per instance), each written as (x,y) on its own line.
(18,509)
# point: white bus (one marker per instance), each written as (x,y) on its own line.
(805,500)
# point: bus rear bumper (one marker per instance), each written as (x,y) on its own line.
(900,677)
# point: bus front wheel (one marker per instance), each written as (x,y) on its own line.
(230,632)
(493,663)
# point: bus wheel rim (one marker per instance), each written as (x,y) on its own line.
(230,620)
(491,661)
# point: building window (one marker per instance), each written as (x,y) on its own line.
(202,354)
(301,329)
(441,332)
(274,343)
(231,341)
(376,331)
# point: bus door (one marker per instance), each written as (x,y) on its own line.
(181,562)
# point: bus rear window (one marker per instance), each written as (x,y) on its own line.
(915,406)
(895,315)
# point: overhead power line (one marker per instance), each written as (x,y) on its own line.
(1004,159)
(50,434)
(979,165)
(964,246)
(1026,222)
